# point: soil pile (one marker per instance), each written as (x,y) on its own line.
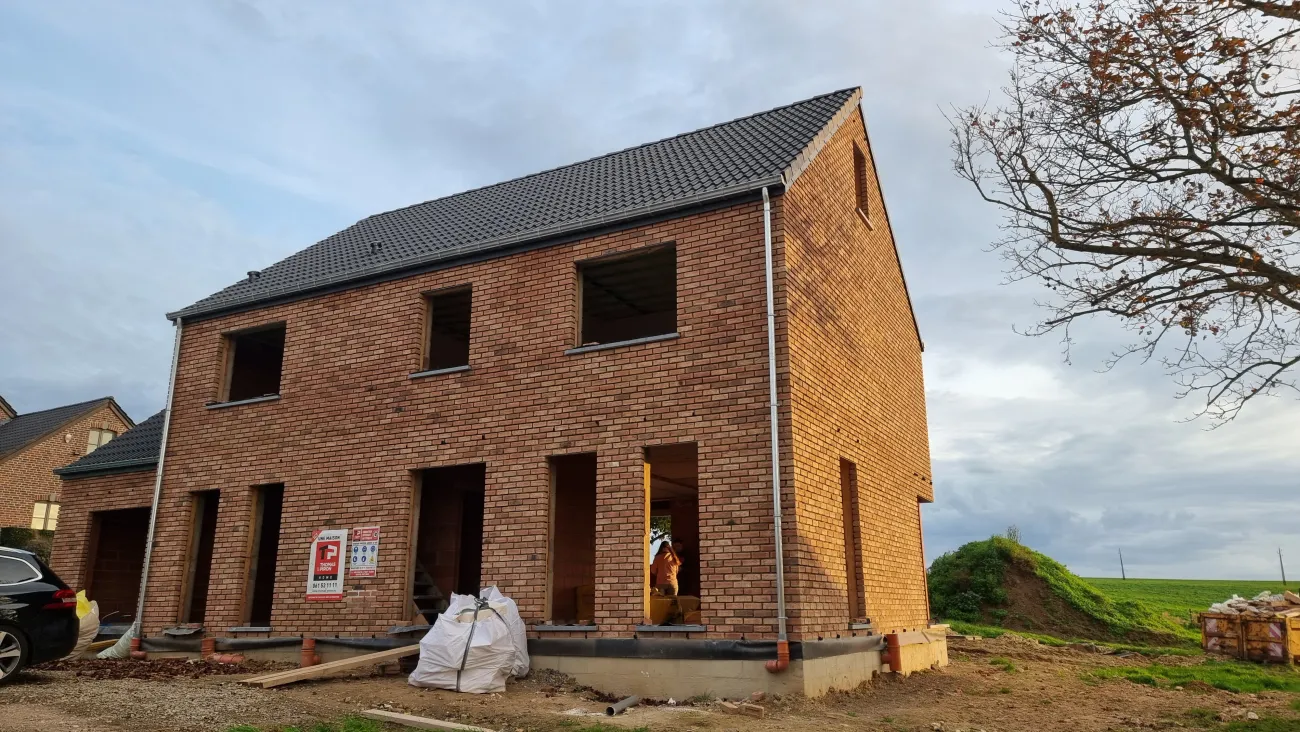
(1004,583)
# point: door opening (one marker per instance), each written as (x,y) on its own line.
(674,522)
(449,536)
(573,539)
(268,502)
(203,535)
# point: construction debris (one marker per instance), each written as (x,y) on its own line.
(1264,604)
(745,708)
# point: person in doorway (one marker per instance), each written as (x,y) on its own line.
(663,571)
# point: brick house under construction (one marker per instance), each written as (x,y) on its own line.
(512,381)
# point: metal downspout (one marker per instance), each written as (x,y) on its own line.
(783,650)
(157,481)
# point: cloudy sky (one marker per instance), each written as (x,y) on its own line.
(153,152)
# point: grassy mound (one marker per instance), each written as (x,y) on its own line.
(1003,583)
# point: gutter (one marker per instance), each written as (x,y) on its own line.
(782,661)
(157,481)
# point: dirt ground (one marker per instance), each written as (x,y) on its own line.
(1044,692)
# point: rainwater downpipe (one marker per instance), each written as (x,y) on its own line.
(157,482)
(782,660)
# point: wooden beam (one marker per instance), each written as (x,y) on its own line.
(266,681)
(418,722)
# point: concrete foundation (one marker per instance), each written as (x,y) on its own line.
(677,669)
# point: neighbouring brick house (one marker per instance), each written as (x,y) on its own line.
(33,445)
(107,496)
(509,382)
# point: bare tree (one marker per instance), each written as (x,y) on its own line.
(1148,164)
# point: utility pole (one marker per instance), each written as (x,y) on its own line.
(1280,564)
(1124,576)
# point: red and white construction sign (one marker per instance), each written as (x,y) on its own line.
(325,574)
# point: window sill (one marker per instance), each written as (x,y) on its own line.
(866,219)
(861,626)
(671,628)
(254,400)
(249,629)
(620,344)
(435,372)
(567,628)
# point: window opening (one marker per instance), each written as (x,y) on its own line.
(255,361)
(852,541)
(628,297)
(448,337)
(861,184)
(98,438)
(45,515)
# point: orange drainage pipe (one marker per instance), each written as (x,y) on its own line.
(136,653)
(309,655)
(782,660)
(893,652)
(207,648)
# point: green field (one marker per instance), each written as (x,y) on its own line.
(1179,598)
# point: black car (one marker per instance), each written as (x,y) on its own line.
(38,613)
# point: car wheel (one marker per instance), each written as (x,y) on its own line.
(13,652)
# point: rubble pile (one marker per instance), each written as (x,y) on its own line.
(1266,604)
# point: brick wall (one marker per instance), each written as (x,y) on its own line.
(81,498)
(858,394)
(351,429)
(27,476)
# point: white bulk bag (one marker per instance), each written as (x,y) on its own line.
(518,633)
(469,648)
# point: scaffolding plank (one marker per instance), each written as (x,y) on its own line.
(267,681)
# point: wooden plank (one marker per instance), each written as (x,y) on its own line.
(1291,597)
(267,681)
(100,645)
(411,720)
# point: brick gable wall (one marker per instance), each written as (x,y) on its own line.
(27,476)
(351,428)
(858,394)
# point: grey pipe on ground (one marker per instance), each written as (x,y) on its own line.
(622,706)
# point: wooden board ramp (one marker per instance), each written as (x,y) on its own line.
(410,720)
(321,670)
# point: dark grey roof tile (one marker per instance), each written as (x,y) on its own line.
(713,162)
(138,446)
(25,429)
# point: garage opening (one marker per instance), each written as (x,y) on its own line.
(674,534)
(116,561)
(268,503)
(203,535)
(255,359)
(629,296)
(573,539)
(449,536)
